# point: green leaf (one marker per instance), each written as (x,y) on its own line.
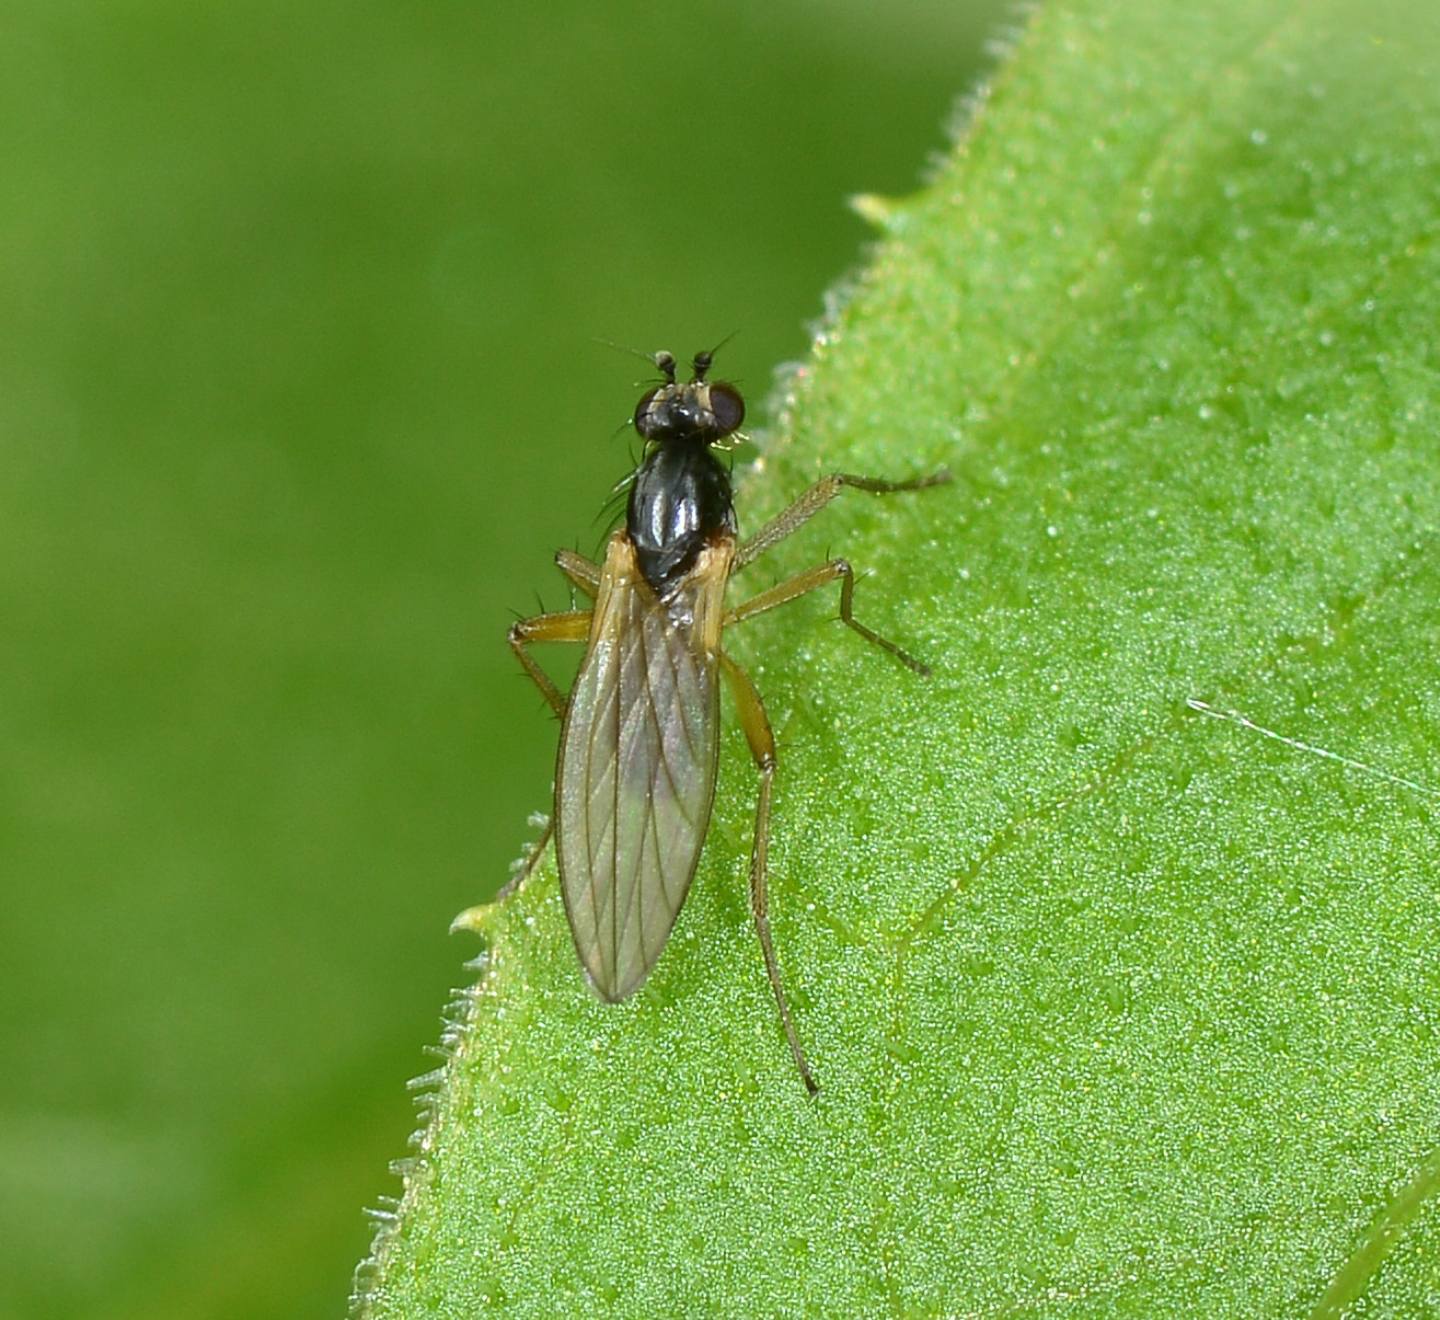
(1113,944)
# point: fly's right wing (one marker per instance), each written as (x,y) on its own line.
(636,774)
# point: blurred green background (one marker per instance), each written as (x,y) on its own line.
(298,393)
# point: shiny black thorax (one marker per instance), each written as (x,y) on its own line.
(680,495)
(680,500)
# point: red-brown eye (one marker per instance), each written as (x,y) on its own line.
(727,407)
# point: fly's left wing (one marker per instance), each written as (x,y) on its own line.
(636,773)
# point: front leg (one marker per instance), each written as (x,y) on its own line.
(583,573)
(816,498)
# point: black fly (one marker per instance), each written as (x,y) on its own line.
(635,774)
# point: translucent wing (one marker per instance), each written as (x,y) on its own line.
(636,773)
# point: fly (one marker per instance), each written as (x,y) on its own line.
(635,773)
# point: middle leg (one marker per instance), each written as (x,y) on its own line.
(811,580)
(568,626)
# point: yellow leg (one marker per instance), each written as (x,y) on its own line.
(762,747)
(473,918)
(569,626)
(811,580)
(583,572)
(815,499)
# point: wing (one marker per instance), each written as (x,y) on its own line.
(636,772)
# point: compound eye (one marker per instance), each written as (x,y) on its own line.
(727,407)
(645,419)
(665,361)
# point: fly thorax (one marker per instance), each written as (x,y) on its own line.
(679,501)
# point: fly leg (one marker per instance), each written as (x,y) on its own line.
(816,498)
(584,573)
(473,918)
(567,626)
(811,580)
(762,747)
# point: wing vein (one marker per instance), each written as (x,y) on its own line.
(637,760)
(622,703)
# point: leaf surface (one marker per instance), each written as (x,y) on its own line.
(1114,944)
